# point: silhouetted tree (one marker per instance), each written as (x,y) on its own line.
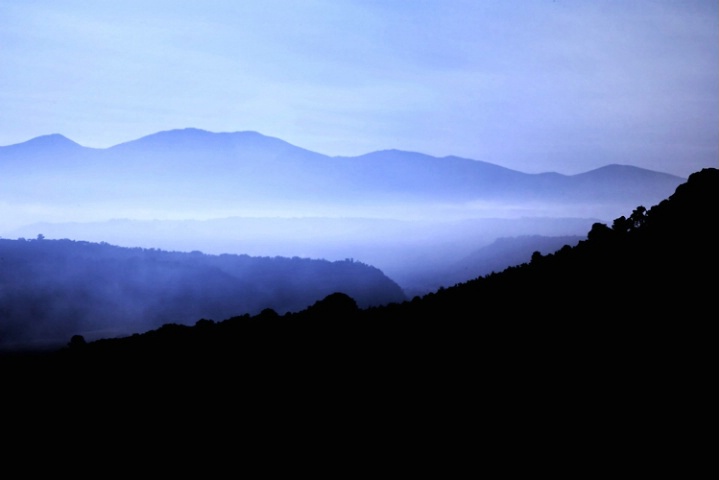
(77,341)
(536,257)
(335,305)
(268,314)
(621,225)
(638,217)
(599,232)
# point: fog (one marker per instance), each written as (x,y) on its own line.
(406,213)
(406,223)
(53,289)
(408,251)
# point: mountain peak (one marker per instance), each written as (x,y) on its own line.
(50,144)
(625,171)
(52,140)
(192,138)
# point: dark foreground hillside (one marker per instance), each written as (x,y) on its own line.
(595,357)
(53,289)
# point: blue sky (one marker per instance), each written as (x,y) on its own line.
(533,85)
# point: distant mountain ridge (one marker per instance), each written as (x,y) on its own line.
(207,170)
(407,213)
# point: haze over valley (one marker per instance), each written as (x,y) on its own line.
(408,214)
(413,146)
(329,217)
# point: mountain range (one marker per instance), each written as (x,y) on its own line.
(599,356)
(194,170)
(408,214)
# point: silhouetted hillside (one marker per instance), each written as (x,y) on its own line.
(51,289)
(647,279)
(495,257)
(602,353)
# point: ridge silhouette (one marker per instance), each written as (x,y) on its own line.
(626,284)
(51,289)
(597,357)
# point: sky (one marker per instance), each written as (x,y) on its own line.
(532,85)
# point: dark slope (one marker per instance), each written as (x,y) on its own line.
(53,289)
(500,254)
(597,358)
(624,288)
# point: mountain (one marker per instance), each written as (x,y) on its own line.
(46,144)
(190,170)
(406,213)
(52,289)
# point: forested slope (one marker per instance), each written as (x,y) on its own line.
(597,358)
(53,289)
(649,278)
